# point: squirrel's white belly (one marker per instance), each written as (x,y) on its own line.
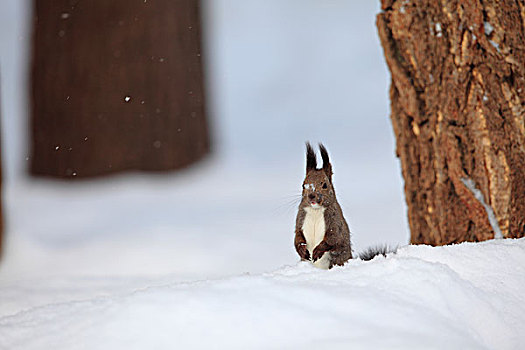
(314,228)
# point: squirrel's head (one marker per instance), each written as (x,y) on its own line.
(318,190)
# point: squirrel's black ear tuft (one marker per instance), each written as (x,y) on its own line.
(311,159)
(327,167)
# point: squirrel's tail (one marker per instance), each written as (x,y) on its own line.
(371,252)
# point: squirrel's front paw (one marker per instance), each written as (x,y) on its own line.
(302,251)
(318,253)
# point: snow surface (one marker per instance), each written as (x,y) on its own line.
(468,296)
(182,261)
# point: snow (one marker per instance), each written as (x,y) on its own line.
(438,30)
(467,296)
(309,187)
(495,44)
(182,260)
(488,28)
(471,185)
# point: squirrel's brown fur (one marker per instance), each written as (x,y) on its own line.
(319,196)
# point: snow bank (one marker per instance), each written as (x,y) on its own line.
(467,296)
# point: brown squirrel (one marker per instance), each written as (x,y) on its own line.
(322,235)
(321,232)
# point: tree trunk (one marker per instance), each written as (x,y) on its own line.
(457,108)
(116,85)
(1,184)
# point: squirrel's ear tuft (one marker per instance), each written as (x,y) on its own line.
(327,167)
(311,159)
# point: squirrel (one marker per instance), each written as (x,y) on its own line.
(322,235)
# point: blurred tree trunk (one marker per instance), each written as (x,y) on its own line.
(116,85)
(1,183)
(458,109)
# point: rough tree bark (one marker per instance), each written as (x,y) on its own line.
(116,85)
(458,109)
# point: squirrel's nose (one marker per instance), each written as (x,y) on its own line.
(311,196)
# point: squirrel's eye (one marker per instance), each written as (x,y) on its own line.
(324,185)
